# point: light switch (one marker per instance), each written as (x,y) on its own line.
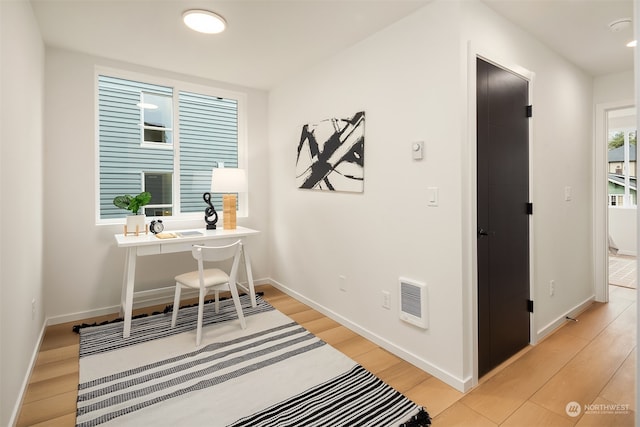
(417,150)
(432,196)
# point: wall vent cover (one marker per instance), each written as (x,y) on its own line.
(413,302)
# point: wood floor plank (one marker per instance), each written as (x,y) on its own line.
(306,316)
(595,319)
(621,388)
(460,415)
(508,389)
(58,354)
(355,346)
(434,395)
(583,378)
(532,415)
(290,306)
(68,420)
(60,336)
(55,369)
(403,376)
(43,389)
(318,325)
(377,360)
(40,411)
(336,335)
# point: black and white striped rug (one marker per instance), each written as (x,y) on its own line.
(273,373)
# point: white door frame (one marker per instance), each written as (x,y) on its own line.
(470,204)
(600,204)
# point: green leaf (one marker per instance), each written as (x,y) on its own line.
(131,203)
(122,201)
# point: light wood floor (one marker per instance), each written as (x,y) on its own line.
(592,361)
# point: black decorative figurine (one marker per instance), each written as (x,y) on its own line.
(210,212)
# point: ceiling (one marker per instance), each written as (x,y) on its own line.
(270,40)
(576,29)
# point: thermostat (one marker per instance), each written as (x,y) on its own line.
(417,148)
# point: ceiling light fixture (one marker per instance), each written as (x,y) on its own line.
(632,43)
(620,25)
(204,21)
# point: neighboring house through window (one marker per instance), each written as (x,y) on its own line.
(164,139)
(622,160)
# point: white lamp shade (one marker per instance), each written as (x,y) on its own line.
(228,180)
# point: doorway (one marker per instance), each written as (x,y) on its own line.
(502,214)
(621,141)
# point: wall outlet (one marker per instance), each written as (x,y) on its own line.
(386,300)
(552,288)
(342,280)
(33,309)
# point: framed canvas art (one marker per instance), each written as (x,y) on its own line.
(330,155)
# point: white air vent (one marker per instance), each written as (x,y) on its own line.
(413,303)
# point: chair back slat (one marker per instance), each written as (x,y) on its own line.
(216,253)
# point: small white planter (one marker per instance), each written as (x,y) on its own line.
(135,225)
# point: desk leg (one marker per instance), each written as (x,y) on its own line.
(127,290)
(247,264)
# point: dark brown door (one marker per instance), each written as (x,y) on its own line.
(503,220)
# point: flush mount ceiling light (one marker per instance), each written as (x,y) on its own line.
(620,25)
(204,21)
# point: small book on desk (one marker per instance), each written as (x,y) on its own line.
(189,233)
(166,236)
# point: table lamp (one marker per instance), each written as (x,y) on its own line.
(228,181)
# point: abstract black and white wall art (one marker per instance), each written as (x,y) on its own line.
(331,155)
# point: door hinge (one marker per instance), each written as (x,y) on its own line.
(529,208)
(530,306)
(529,110)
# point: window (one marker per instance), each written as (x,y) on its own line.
(622,158)
(156,118)
(160,185)
(164,139)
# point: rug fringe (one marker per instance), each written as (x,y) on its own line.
(167,309)
(421,419)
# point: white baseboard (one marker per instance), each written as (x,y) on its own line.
(141,299)
(561,320)
(25,383)
(453,381)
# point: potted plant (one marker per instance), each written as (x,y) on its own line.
(135,221)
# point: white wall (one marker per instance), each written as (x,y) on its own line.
(411,80)
(562,128)
(83,266)
(405,78)
(613,87)
(623,229)
(21,190)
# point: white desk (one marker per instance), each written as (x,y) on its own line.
(149,244)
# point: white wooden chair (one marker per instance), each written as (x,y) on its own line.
(205,279)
